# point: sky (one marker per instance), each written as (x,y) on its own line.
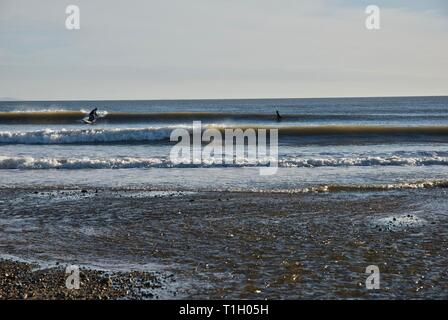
(201,49)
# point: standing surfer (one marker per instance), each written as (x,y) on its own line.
(93,115)
(279,117)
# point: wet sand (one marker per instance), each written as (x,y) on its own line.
(225,245)
(19,280)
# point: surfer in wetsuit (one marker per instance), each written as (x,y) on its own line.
(93,115)
(279,117)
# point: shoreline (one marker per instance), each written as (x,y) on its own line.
(224,245)
(22,280)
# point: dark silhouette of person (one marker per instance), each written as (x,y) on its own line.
(279,117)
(93,115)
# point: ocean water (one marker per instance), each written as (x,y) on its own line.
(359,143)
(360,182)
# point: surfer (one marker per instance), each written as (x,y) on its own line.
(93,115)
(279,117)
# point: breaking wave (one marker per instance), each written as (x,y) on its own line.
(364,161)
(63,116)
(429,184)
(31,163)
(84,136)
(124,135)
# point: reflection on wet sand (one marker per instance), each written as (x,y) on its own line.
(240,244)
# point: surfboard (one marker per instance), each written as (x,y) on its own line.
(87,121)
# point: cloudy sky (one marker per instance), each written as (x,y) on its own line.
(174,49)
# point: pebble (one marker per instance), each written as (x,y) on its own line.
(20,282)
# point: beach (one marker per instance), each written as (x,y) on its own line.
(25,281)
(359,184)
(225,245)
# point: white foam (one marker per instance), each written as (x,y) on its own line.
(400,222)
(428,184)
(101,114)
(78,163)
(365,161)
(28,162)
(33,110)
(73,136)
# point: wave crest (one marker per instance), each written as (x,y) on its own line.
(30,163)
(428,184)
(74,136)
(122,135)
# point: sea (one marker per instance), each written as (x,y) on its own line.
(388,143)
(360,182)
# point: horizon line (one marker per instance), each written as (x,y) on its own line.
(8,99)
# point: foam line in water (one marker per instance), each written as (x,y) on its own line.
(84,136)
(123,135)
(31,163)
(61,116)
(429,184)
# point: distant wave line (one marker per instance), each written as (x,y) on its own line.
(426,184)
(32,163)
(73,117)
(145,135)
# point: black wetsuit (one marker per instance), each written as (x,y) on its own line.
(279,117)
(93,115)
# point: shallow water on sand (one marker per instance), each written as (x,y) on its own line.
(242,245)
(293,180)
